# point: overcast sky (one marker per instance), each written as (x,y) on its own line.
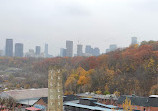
(93,22)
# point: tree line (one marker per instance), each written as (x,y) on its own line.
(131,70)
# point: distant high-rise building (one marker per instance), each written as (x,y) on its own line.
(46,50)
(107,50)
(96,51)
(19,50)
(88,49)
(62,52)
(1,52)
(92,51)
(69,48)
(79,50)
(38,50)
(31,53)
(86,55)
(9,48)
(134,40)
(112,47)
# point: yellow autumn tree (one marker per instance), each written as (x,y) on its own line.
(149,65)
(68,93)
(117,93)
(110,77)
(110,74)
(81,71)
(151,62)
(98,92)
(84,77)
(84,80)
(106,90)
(71,80)
(79,79)
(127,105)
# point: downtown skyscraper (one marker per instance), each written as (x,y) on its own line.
(62,52)
(69,48)
(134,40)
(88,49)
(46,50)
(9,48)
(38,50)
(79,50)
(18,50)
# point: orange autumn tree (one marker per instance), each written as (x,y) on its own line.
(84,80)
(79,80)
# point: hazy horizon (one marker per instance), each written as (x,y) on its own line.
(98,23)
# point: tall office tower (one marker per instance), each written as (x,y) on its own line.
(88,49)
(38,50)
(19,50)
(62,52)
(46,50)
(134,40)
(79,50)
(9,48)
(96,51)
(112,47)
(1,52)
(69,48)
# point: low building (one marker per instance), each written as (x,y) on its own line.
(106,106)
(42,101)
(37,98)
(25,93)
(87,104)
(25,97)
(105,99)
(140,103)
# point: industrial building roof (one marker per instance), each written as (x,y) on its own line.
(29,102)
(88,107)
(25,93)
(107,106)
(140,101)
(45,99)
(88,98)
(135,100)
(98,96)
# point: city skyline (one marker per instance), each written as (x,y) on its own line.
(91,51)
(75,43)
(26,49)
(91,22)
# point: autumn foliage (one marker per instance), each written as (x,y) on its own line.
(132,70)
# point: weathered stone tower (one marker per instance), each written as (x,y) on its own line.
(55,90)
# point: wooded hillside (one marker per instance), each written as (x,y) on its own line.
(132,70)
